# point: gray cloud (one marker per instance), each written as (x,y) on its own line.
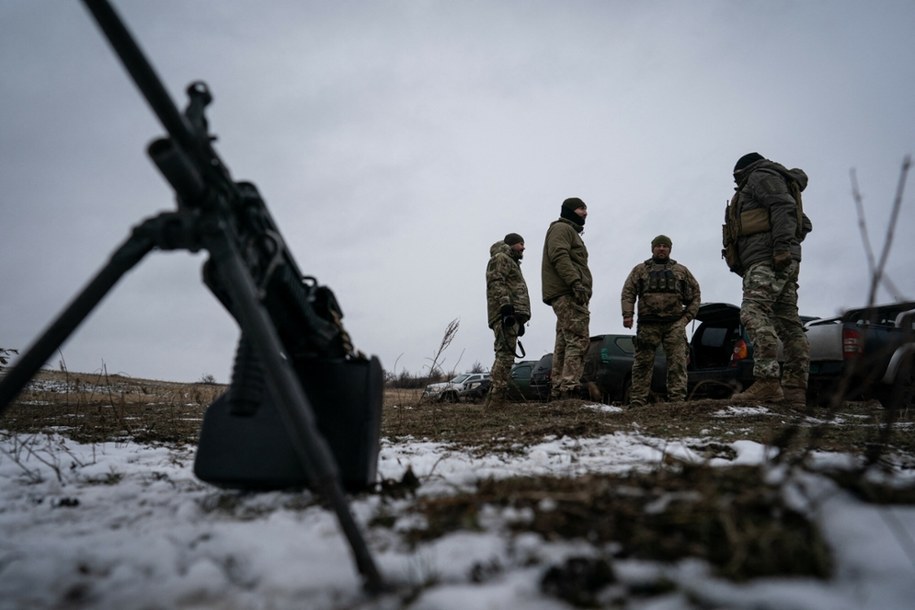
(395,141)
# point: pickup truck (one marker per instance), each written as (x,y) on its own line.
(865,353)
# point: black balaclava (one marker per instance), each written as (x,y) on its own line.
(568,210)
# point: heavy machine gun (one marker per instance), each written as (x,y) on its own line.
(303,407)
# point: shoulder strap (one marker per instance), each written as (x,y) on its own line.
(732,218)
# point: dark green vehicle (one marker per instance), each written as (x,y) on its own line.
(607,372)
(608,369)
(540,377)
(520,386)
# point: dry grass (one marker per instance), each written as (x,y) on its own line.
(96,407)
(731,517)
(854,429)
(735,518)
(99,407)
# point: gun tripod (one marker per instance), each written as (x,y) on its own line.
(186,230)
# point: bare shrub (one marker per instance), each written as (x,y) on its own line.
(5,353)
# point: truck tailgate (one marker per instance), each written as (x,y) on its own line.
(825,338)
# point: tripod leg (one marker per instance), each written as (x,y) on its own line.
(123,260)
(292,404)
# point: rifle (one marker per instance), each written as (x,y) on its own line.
(302,404)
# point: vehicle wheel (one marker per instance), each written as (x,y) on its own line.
(902,393)
(449,397)
(822,393)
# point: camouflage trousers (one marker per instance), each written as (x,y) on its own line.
(572,339)
(769,313)
(504,346)
(671,336)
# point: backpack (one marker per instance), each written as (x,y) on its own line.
(730,230)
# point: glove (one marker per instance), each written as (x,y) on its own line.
(781,259)
(508,316)
(580,293)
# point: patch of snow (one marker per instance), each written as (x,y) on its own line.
(127,526)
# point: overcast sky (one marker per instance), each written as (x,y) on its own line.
(394,142)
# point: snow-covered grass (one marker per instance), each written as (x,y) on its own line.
(126,525)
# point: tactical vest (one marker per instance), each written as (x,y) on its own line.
(659,280)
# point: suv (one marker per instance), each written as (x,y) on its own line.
(720,352)
(540,377)
(448,391)
(520,387)
(608,368)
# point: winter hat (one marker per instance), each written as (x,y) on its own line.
(746,160)
(573,203)
(661,239)
(513,238)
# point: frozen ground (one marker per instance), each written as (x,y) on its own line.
(127,526)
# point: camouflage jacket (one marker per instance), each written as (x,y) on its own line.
(666,292)
(763,189)
(505,285)
(565,261)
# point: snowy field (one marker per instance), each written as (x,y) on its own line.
(127,526)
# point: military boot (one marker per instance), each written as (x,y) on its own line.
(795,398)
(762,390)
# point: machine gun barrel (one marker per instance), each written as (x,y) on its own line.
(180,172)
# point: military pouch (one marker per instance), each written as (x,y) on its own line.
(754,221)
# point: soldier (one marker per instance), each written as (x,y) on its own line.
(566,284)
(509,308)
(770,225)
(668,297)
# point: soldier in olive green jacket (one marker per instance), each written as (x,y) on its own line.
(567,287)
(508,310)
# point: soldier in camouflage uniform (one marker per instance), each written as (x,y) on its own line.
(508,309)
(668,298)
(566,284)
(771,228)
